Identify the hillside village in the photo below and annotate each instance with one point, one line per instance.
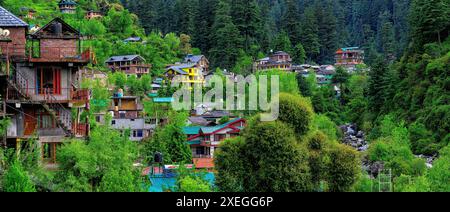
(65, 81)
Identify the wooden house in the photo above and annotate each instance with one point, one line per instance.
(67, 6)
(129, 64)
(41, 91)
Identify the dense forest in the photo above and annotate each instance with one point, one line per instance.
(258, 26)
(401, 100)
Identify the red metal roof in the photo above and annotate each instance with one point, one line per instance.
(204, 163)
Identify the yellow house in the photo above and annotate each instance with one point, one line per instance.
(190, 74)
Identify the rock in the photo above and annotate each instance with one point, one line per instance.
(360, 134)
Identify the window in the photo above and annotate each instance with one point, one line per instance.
(132, 120)
(200, 151)
(113, 122)
(48, 80)
(97, 118)
(219, 137)
(122, 114)
(140, 133)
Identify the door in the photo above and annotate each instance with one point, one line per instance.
(48, 80)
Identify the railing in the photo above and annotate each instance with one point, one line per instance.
(80, 129)
(201, 156)
(21, 84)
(66, 54)
(64, 115)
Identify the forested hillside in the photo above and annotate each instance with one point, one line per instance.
(258, 26)
(398, 105)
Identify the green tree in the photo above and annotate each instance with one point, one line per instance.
(309, 35)
(282, 43)
(439, 175)
(376, 86)
(428, 20)
(225, 37)
(246, 16)
(16, 179)
(304, 86)
(299, 55)
(291, 21)
(193, 184)
(171, 141)
(296, 111)
(343, 168)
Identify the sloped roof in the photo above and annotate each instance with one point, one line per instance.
(123, 58)
(7, 19)
(179, 68)
(194, 130)
(66, 28)
(193, 58)
(67, 2)
(204, 163)
(209, 130)
(199, 121)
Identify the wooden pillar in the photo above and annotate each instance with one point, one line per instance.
(4, 117)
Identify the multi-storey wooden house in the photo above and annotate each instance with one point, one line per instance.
(39, 85)
(129, 64)
(205, 140)
(278, 60)
(349, 57)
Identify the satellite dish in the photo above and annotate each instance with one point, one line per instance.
(4, 32)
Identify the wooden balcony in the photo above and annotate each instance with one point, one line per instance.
(61, 55)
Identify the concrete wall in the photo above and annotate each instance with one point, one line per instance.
(30, 74)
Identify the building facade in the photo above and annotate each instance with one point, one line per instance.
(39, 85)
(188, 74)
(127, 114)
(129, 64)
(279, 60)
(349, 57)
(204, 141)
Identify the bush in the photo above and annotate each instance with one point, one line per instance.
(343, 168)
(16, 179)
(297, 112)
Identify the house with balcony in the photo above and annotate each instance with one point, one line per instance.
(188, 74)
(205, 140)
(129, 64)
(278, 60)
(199, 61)
(39, 84)
(349, 57)
(127, 114)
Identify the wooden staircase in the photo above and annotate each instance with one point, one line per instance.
(59, 113)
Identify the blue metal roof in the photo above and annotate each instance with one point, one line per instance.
(163, 100)
(179, 68)
(67, 2)
(7, 19)
(123, 58)
(193, 58)
(162, 184)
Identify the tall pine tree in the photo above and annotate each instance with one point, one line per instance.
(226, 40)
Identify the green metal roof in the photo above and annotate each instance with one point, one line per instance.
(194, 130)
(163, 100)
